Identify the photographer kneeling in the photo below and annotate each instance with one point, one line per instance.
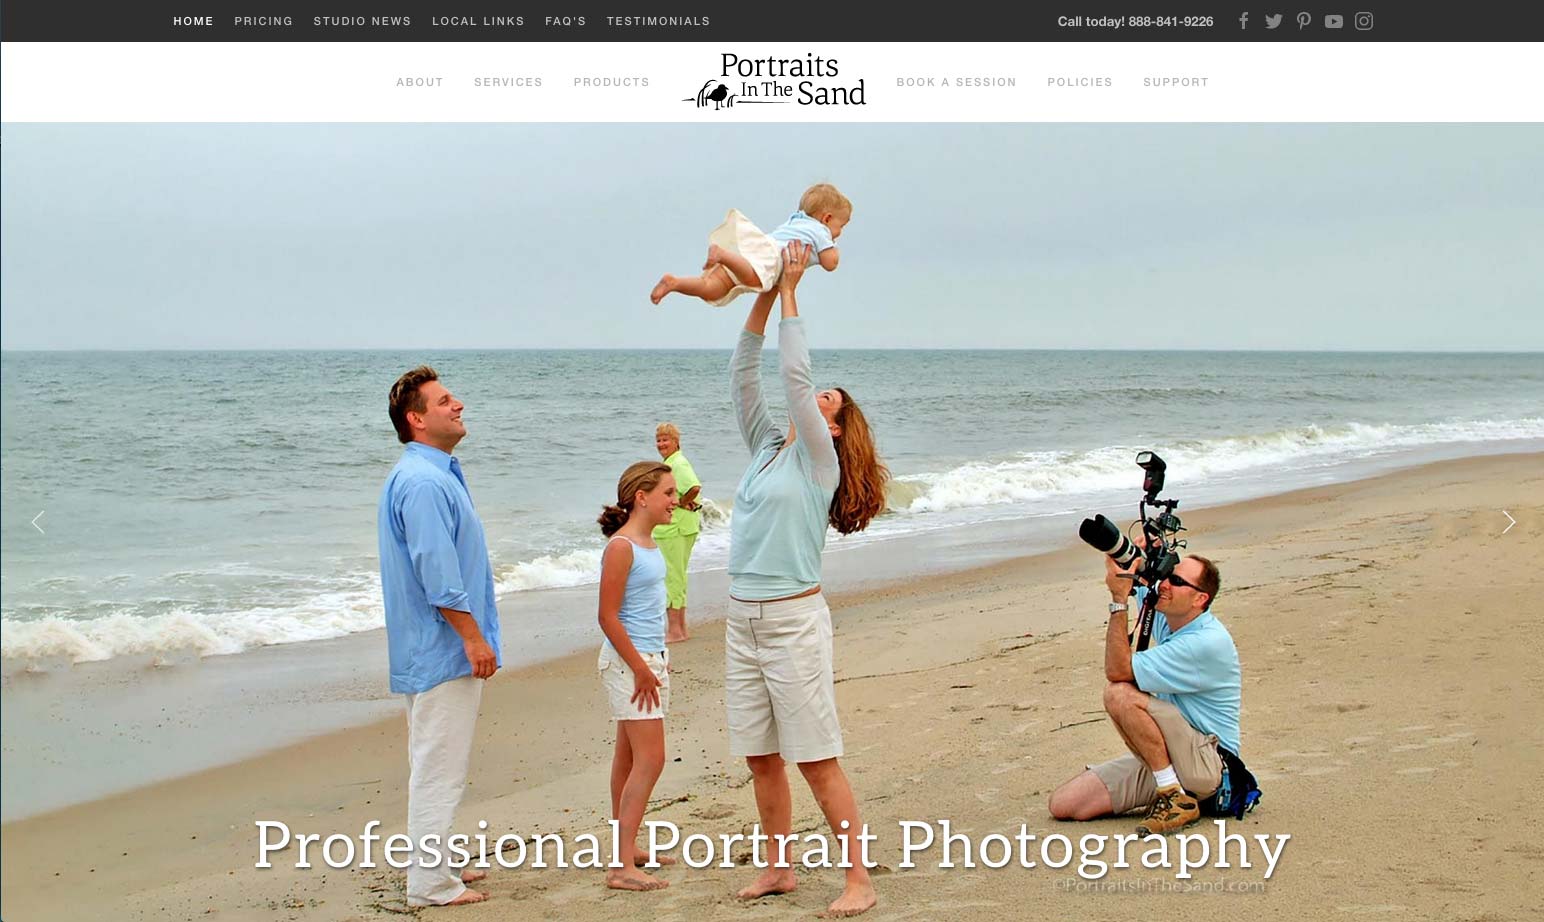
(1171, 704)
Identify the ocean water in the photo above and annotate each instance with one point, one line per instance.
(200, 504)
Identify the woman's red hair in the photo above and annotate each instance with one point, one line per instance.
(861, 494)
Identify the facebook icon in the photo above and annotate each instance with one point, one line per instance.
(1243, 20)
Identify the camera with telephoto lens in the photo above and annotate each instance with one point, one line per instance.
(1159, 551)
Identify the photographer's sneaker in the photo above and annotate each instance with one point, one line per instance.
(1174, 809)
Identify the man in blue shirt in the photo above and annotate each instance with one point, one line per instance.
(1171, 703)
(442, 627)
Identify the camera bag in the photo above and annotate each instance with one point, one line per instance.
(1238, 793)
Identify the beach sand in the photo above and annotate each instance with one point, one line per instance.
(1392, 712)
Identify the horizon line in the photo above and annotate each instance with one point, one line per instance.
(1263, 351)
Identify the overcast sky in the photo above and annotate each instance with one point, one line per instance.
(535, 236)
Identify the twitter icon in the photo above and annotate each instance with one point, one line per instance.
(1271, 21)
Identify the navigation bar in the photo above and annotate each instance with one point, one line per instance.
(742, 82)
(1339, 21)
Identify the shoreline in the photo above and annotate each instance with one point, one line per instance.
(983, 500)
(976, 666)
(153, 721)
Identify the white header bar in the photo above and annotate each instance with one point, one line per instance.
(837, 82)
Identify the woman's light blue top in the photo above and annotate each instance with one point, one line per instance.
(781, 507)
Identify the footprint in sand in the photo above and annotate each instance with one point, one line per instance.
(1460, 737)
(1415, 728)
(1448, 885)
(1527, 850)
(1410, 747)
(1341, 707)
(1321, 770)
(1415, 771)
(944, 909)
(1360, 740)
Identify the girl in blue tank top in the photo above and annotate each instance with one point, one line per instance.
(634, 666)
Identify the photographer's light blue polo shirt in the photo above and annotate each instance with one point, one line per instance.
(1195, 669)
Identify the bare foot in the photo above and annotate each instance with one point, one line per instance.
(771, 881)
(473, 875)
(634, 879)
(467, 897)
(641, 857)
(855, 900)
(675, 625)
(665, 286)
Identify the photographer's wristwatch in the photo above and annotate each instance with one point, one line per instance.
(1121, 607)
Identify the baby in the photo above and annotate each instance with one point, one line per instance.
(741, 257)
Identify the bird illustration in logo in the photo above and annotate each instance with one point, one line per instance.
(1271, 21)
(718, 95)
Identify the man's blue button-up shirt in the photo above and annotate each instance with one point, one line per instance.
(433, 555)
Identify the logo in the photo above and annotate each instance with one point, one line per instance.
(1272, 21)
(1243, 20)
(719, 95)
(1303, 19)
(1334, 21)
(1363, 22)
(806, 81)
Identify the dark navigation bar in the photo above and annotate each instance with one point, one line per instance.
(501, 20)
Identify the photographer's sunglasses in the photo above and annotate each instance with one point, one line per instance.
(1177, 580)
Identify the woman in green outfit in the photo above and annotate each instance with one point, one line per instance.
(676, 539)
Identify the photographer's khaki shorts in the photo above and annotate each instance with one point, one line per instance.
(1192, 753)
(778, 686)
